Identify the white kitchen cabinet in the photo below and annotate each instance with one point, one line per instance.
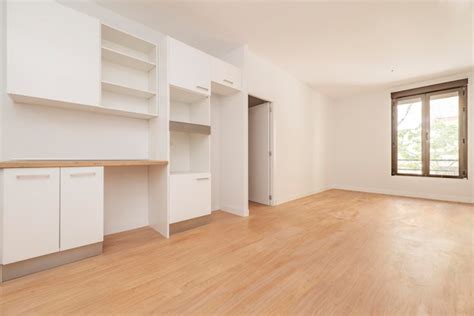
(226, 78)
(190, 196)
(30, 213)
(53, 53)
(189, 68)
(82, 206)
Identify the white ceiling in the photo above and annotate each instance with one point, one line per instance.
(336, 47)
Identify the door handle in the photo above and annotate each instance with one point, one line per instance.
(32, 176)
(82, 174)
(228, 81)
(204, 178)
(202, 88)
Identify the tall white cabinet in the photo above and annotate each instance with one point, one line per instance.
(190, 145)
(194, 77)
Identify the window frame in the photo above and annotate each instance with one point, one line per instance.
(424, 93)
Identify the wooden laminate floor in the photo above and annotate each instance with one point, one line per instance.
(335, 253)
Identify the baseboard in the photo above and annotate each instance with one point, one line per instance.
(235, 210)
(300, 196)
(33, 265)
(438, 197)
(179, 227)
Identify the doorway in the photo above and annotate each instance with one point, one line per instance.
(260, 150)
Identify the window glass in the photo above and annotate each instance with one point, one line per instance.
(409, 128)
(444, 134)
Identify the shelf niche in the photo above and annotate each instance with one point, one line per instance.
(189, 107)
(190, 153)
(129, 72)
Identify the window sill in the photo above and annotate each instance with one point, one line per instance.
(430, 176)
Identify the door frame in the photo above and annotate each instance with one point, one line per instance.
(271, 150)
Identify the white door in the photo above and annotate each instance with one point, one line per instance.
(189, 68)
(259, 154)
(82, 206)
(190, 196)
(30, 213)
(53, 52)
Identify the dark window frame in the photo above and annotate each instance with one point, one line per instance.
(424, 93)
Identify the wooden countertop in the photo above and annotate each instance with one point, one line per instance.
(78, 163)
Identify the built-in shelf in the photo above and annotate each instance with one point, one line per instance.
(121, 58)
(80, 107)
(129, 73)
(116, 88)
(78, 163)
(184, 127)
(127, 42)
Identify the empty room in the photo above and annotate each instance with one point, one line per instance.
(240, 157)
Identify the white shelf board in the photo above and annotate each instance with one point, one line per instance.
(117, 88)
(126, 39)
(121, 58)
(77, 106)
(183, 95)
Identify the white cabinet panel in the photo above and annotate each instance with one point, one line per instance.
(82, 206)
(189, 68)
(30, 213)
(53, 52)
(226, 78)
(190, 196)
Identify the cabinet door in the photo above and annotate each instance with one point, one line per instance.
(82, 206)
(30, 213)
(189, 68)
(190, 196)
(226, 78)
(53, 52)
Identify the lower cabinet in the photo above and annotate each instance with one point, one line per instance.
(190, 196)
(82, 207)
(47, 210)
(30, 213)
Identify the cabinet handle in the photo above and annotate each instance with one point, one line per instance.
(202, 88)
(82, 174)
(204, 178)
(228, 81)
(33, 176)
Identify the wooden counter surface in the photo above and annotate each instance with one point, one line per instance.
(77, 163)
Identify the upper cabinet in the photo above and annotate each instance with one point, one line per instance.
(189, 68)
(53, 52)
(226, 78)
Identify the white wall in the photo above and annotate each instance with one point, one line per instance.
(361, 151)
(322, 140)
(300, 129)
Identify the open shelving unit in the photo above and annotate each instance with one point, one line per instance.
(129, 73)
(190, 131)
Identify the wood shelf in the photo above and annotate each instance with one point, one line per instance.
(117, 88)
(121, 58)
(80, 107)
(189, 128)
(78, 163)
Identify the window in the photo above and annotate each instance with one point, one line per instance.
(429, 131)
